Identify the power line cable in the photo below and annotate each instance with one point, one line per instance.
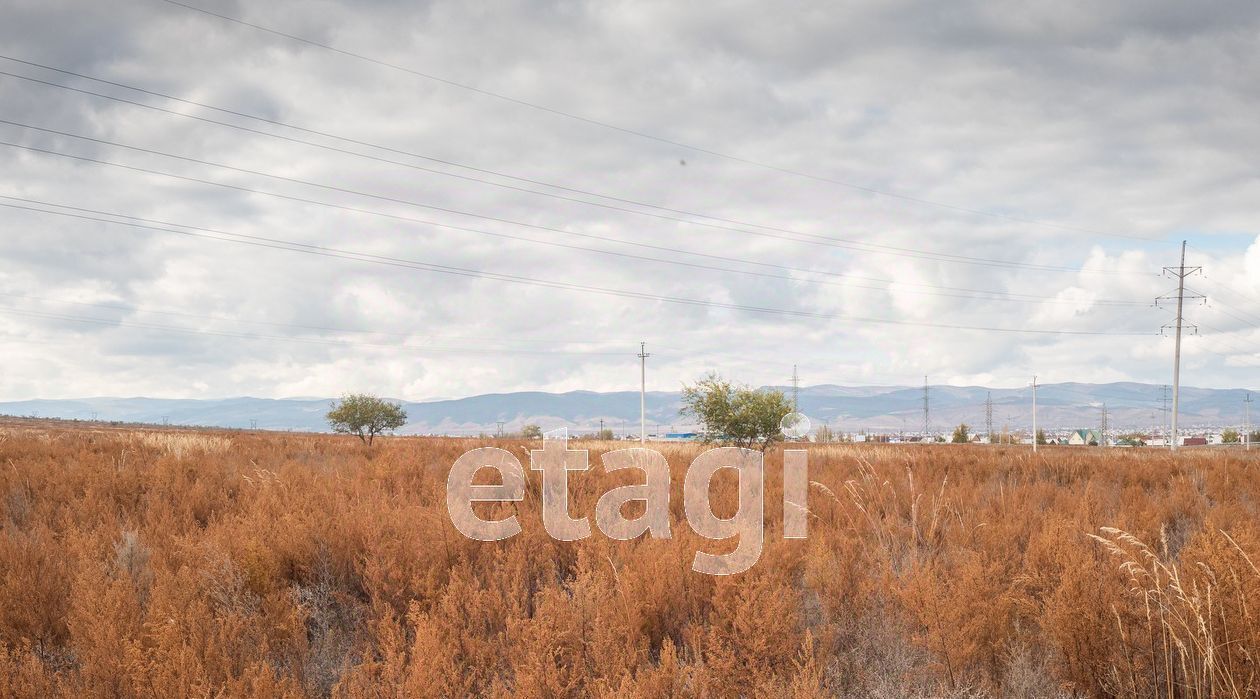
(659, 139)
(1224, 348)
(282, 338)
(294, 326)
(1226, 289)
(968, 293)
(1220, 305)
(1222, 338)
(1248, 359)
(1224, 310)
(1217, 330)
(427, 169)
(810, 239)
(984, 295)
(291, 246)
(1216, 341)
(1214, 347)
(390, 149)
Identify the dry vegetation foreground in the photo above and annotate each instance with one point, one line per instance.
(214, 564)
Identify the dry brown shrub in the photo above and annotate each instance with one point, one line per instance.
(182, 444)
(180, 563)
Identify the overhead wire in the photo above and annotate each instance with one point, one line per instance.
(398, 151)
(806, 238)
(967, 293)
(1217, 304)
(422, 349)
(291, 246)
(497, 184)
(1223, 338)
(1226, 289)
(649, 136)
(427, 337)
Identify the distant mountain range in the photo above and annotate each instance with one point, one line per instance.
(846, 408)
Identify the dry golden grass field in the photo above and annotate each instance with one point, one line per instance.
(217, 564)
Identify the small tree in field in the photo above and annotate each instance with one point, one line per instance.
(1230, 436)
(961, 435)
(736, 415)
(531, 432)
(1131, 439)
(365, 416)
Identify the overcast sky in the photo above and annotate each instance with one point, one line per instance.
(898, 188)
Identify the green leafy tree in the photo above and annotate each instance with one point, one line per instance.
(1230, 436)
(1132, 439)
(961, 435)
(1255, 437)
(531, 431)
(735, 415)
(1041, 436)
(365, 416)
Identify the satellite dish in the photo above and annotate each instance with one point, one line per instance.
(794, 425)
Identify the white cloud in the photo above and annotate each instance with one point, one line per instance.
(1132, 119)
